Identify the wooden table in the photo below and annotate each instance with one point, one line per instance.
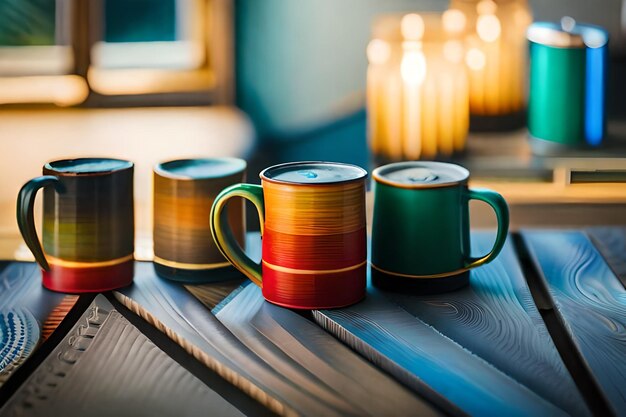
(539, 332)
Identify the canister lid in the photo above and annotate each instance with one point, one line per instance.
(197, 169)
(593, 36)
(86, 166)
(420, 174)
(553, 34)
(313, 173)
(568, 34)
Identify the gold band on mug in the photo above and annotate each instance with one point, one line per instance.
(183, 265)
(401, 275)
(312, 271)
(73, 264)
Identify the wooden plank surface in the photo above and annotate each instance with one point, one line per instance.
(611, 242)
(28, 314)
(496, 319)
(429, 362)
(315, 361)
(106, 367)
(591, 303)
(214, 293)
(174, 311)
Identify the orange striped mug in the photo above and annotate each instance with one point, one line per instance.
(314, 236)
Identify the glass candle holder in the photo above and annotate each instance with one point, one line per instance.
(496, 53)
(417, 88)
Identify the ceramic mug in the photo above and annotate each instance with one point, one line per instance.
(312, 216)
(88, 224)
(421, 227)
(184, 190)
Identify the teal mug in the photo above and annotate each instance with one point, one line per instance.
(421, 227)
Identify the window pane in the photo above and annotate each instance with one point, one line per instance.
(140, 20)
(27, 22)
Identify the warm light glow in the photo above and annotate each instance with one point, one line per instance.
(378, 52)
(146, 81)
(475, 59)
(486, 7)
(413, 67)
(488, 27)
(62, 90)
(453, 51)
(454, 21)
(412, 27)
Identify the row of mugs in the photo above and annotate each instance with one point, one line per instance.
(312, 216)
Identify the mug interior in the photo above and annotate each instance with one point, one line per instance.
(420, 174)
(82, 166)
(197, 169)
(313, 173)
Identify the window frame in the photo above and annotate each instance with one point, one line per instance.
(79, 25)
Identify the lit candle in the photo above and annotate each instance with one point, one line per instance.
(496, 54)
(378, 53)
(413, 70)
(417, 87)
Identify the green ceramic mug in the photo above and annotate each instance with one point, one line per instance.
(421, 227)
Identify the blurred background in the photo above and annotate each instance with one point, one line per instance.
(270, 81)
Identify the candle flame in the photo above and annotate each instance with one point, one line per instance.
(413, 67)
(412, 27)
(378, 51)
(454, 20)
(475, 59)
(488, 27)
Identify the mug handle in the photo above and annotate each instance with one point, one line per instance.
(223, 235)
(26, 218)
(498, 203)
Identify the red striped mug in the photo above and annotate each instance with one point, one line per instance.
(314, 235)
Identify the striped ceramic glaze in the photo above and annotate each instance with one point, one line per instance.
(184, 191)
(88, 224)
(314, 234)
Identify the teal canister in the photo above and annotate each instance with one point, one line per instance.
(421, 229)
(556, 105)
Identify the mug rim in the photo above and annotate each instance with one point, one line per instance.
(159, 169)
(377, 175)
(125, 165)
(363, 174)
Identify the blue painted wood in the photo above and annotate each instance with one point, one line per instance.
(19, 335)
(611, 242)
(590, 301)
(429, 362)
(173, 310)
(314, 360)
(28, 312)
(496, 319)
(20, 286)
(106, 367)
